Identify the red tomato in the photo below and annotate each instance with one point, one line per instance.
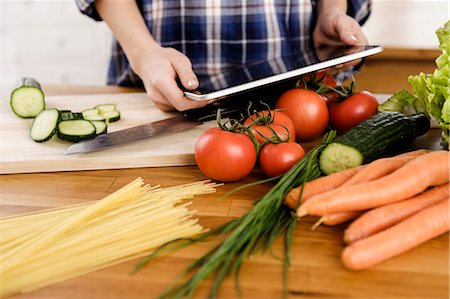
(327, 100)
(331, 96)
(326, 79)
(278, 158)
(280, 123)
(307, 110)
(353, 110)
(224, 156)
(316, 80)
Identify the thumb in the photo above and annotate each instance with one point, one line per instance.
(349, 39)
(186, 75)
(350, 32)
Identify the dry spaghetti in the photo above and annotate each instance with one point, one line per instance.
(42, 248)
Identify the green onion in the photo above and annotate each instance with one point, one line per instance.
(253, 232)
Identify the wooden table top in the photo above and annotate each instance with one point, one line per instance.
(316, 270)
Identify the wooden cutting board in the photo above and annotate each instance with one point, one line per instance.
(20, 154)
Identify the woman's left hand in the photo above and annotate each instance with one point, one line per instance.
(335, 27)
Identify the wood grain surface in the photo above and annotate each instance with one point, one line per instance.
(20, 154)
(316, 270)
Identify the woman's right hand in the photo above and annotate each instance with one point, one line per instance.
(159, 69)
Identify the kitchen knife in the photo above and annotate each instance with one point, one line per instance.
(171, 125)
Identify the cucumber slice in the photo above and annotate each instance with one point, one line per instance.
(44, 125)
(76, 130)
(102, 108)
(337, 156)
(27, 98)
(100, 126)
(92, 114)
(111, 116)
(69, 115)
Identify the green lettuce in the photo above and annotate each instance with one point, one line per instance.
(431, 92)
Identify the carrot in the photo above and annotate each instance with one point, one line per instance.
(371, 171)
(383, 166)
(414, 177)
(336, 219)
(385, 216)
(350, 176)
(319, 185)
(411, 232)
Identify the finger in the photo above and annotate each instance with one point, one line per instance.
(187, 104)
(183, 67)
(346, 66)
(351, 64)
(361, 38)
(160, 101)
(331, 71)
(169, 89)
(357, 38)
(350, 32)
(349, 39)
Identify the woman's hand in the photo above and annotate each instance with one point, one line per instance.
(335, 27)
(159, 68)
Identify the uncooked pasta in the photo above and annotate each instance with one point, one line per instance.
(43, 248)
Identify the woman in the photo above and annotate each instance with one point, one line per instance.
(162, 44)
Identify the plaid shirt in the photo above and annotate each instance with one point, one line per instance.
(219, 36)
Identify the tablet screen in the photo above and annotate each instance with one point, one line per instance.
(265, 72)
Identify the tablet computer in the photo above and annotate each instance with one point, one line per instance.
(279, 69)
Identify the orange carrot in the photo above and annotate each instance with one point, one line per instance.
(411, 232)
(385, 216)
(383, 166)
(319, 185)
(414, 177)
(336, 219)
(371, 171)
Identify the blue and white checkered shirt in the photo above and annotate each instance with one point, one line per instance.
(219, 36)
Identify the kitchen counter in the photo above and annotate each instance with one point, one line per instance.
(316, 270)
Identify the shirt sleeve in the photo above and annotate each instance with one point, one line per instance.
(359, 10)
(87, 7)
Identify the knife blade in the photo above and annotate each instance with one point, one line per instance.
(171, 125)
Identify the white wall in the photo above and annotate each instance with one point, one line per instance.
(52, 41)
(406, 23)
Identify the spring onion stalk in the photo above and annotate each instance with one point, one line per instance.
(253, 232)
